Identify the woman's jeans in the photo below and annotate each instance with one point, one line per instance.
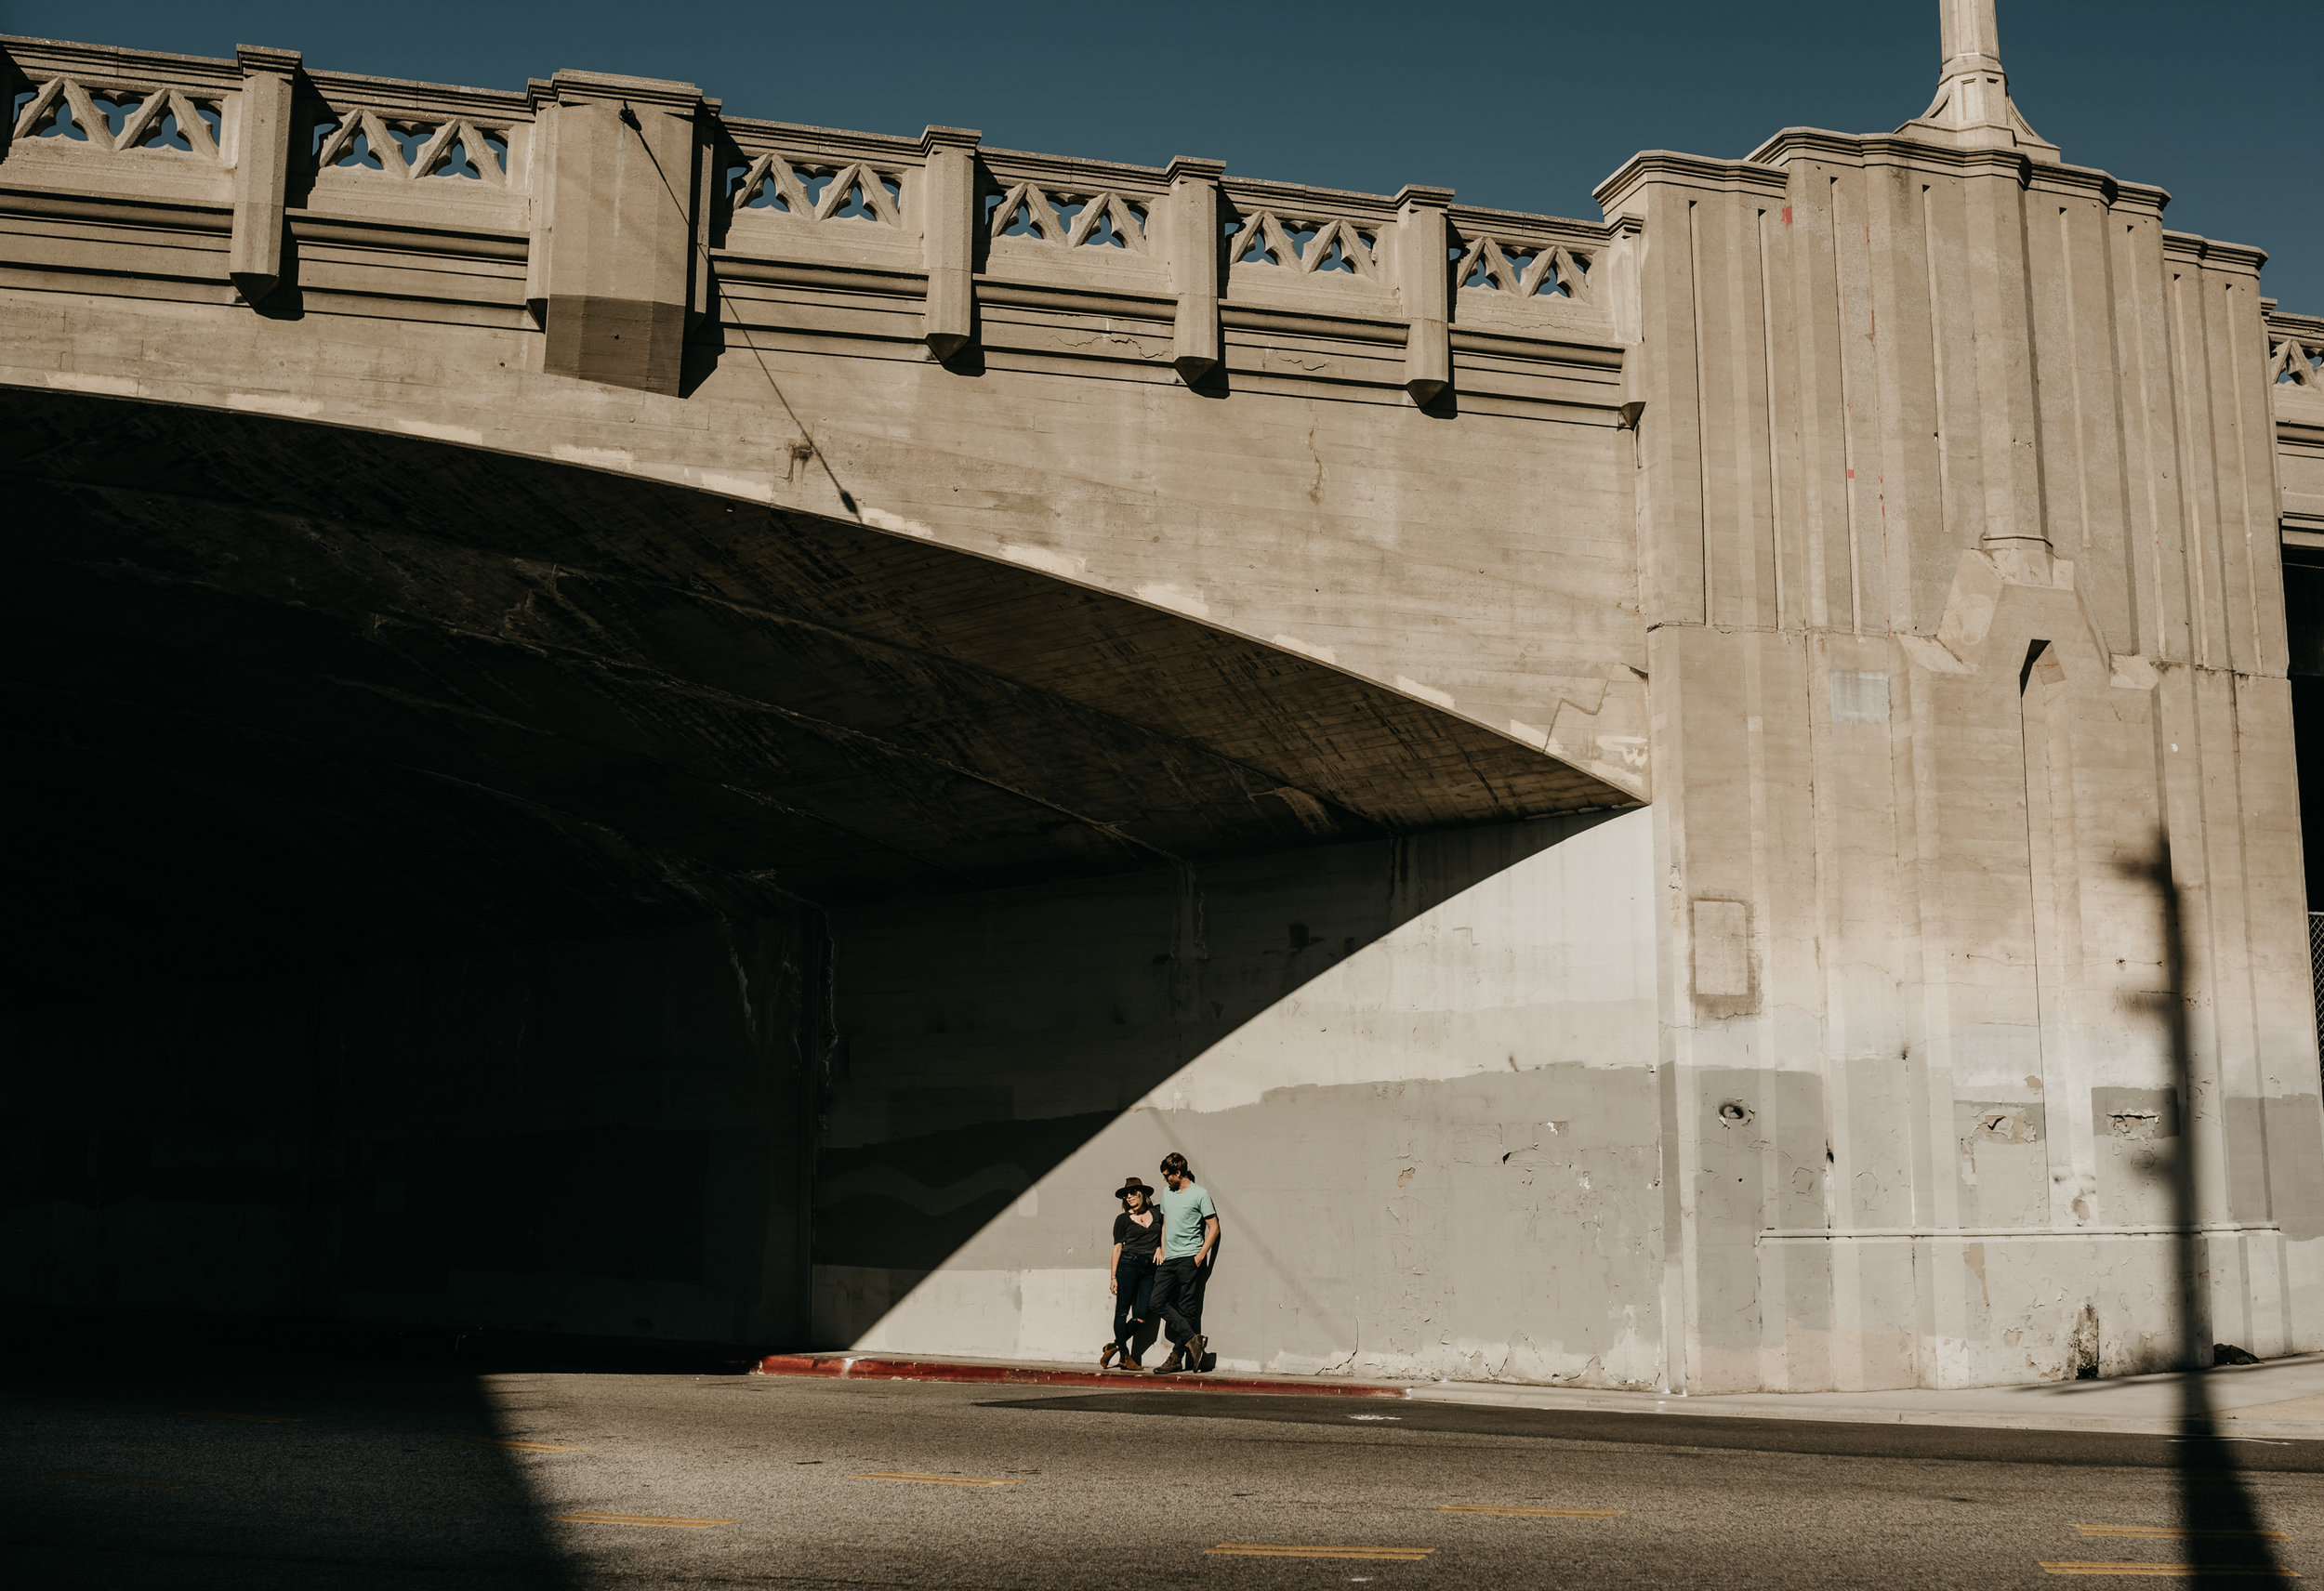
(1133, 1277)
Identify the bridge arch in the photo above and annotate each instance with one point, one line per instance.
(981, 704)
(632, 701)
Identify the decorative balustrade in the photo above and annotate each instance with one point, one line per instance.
(1066, 220)
(360, 139)
(2295, 386)
(2296, 360)
(1062, 225)
(112, 117)
(1521, 269)
(817, 197)
(1309, 247)
(806, 189)
(415, 155)
(142, 127)
(286, 151)
(1307, 244)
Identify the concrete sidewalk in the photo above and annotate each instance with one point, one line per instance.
(2281, 1400)
(1020, 1373)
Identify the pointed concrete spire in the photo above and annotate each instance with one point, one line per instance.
(1973, 108)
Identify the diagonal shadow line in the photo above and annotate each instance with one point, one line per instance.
(1422, 874)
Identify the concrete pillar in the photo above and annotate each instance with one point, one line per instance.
(1970, 45)
(1965, 685)
(262, 147)
(623, 268)
(1197, 262)
(947, 207)
(541, 173)
(1424, 281)
(1972, 109)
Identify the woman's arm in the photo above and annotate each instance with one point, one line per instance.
(1114, 1272)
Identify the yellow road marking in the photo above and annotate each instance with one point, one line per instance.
(153, 1482)
(251, 1419)
(513, 1443)
(1540, 1513)
(1267, 1549)
(2172, 1533)
(2177, 1570)
(940, 1479)
(658, 1520)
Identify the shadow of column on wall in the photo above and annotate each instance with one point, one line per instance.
(2225, 1532)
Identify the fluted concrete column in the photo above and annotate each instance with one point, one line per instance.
(622, 261)
(541, 173)
(262, 144)
(1424, 281)
(1972, 109)
(1198, 261)
(947, 201)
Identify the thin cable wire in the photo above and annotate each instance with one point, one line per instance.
(702, 249)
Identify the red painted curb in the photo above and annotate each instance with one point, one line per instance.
(843, 1365)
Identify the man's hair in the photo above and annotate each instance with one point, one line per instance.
(1174, 1164)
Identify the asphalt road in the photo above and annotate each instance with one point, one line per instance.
(414, 1476)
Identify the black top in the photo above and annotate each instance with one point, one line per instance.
(1136, 1240)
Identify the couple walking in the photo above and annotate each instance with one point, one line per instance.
(1162, 1250)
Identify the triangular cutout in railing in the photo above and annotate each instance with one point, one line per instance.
(163, 132)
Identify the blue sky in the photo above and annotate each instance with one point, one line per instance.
(1521, 106)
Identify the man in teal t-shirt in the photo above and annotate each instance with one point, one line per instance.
(1190, 1230)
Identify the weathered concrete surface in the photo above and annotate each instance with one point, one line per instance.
(1477, 556)
(1101, 591)
(1417, 1077)
(460, 699)
(1960, 564)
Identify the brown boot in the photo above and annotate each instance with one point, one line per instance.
(1105, 1359)
(1172, 1365)
(1193, 1348)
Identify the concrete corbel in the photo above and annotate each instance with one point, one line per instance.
(1634, 387)
(262, 148)
(707, 132)
(947, 199)
(1196, 265)
(541, 177)
(1424, 283)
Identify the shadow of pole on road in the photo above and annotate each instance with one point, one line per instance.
(2226, 1534)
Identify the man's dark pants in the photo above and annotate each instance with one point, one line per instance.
(1178, 1297)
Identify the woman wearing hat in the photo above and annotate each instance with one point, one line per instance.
(1136, 1239)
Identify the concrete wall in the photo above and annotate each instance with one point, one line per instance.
(601, 1138)
(1911, 504)
(1295, 492)
(1415, 1076)
(1988, 1054)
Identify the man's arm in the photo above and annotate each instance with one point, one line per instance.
(1209, 1241)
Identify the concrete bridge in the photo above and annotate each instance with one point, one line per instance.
(632, 721)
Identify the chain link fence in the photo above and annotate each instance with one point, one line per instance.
(2316, 969)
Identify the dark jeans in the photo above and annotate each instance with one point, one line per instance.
(1178, 1294)
(1134, 1277)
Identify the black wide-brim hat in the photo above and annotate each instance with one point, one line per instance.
(1133, 1185)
